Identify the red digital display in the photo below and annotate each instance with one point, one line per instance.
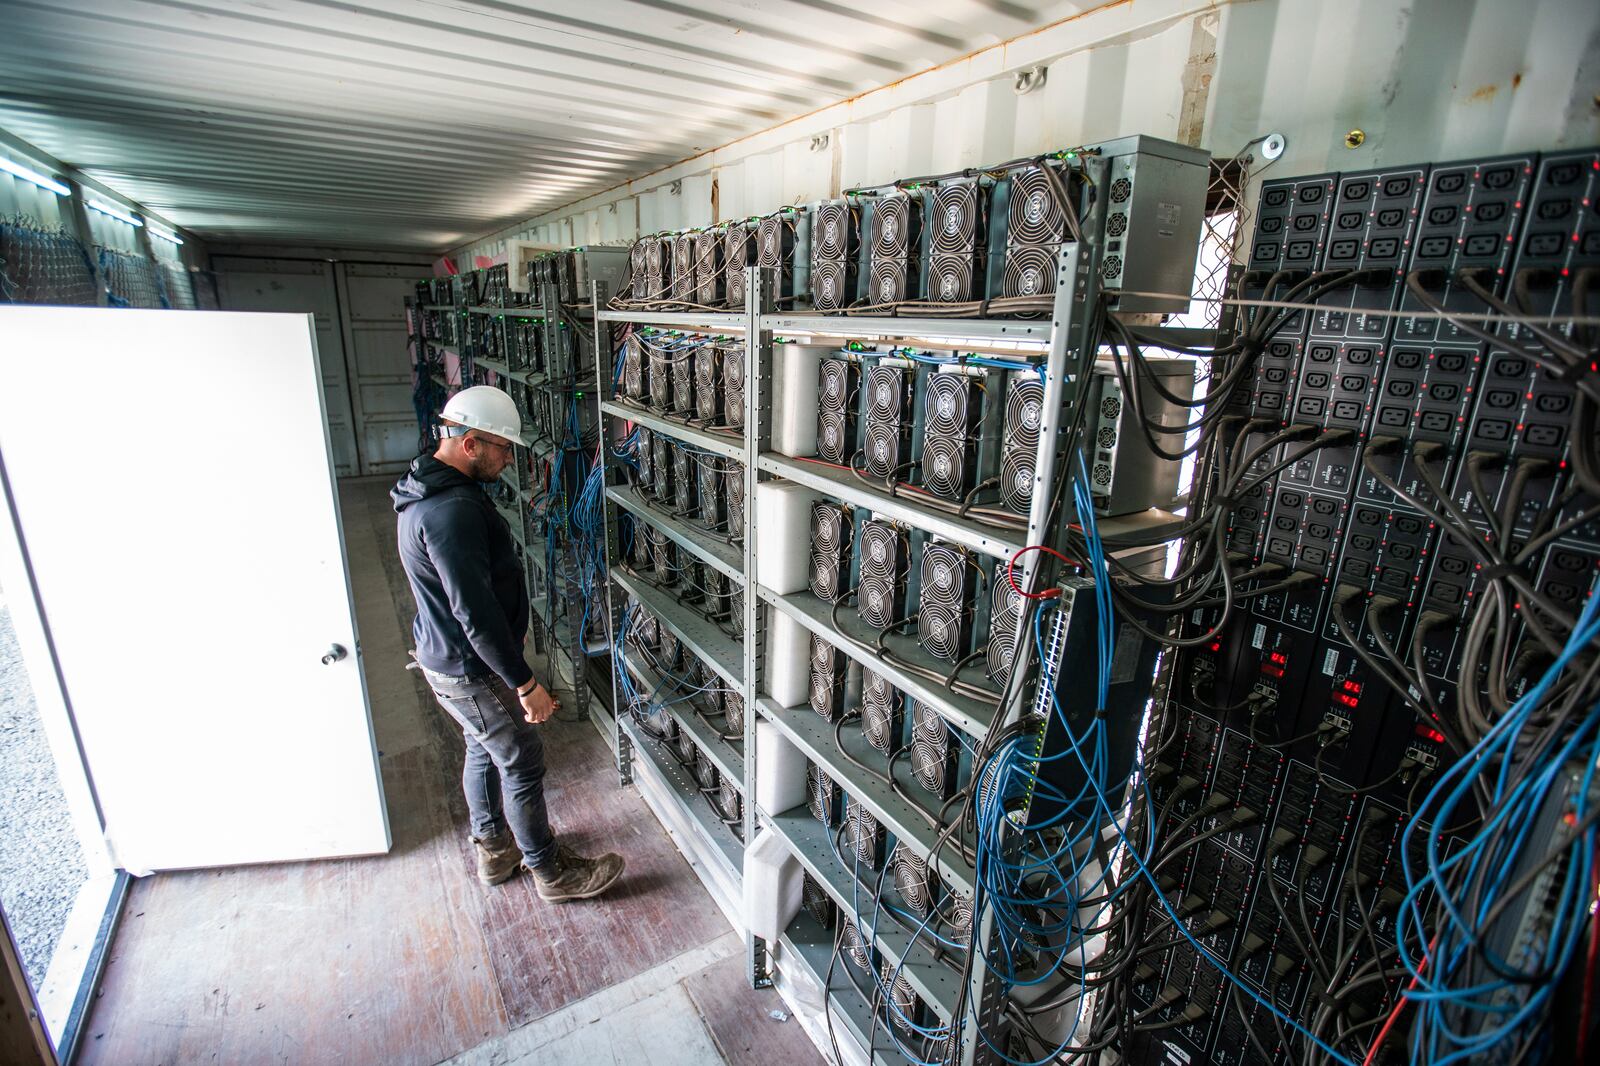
(1429, 733)
(1352, 687)
(1278, 658)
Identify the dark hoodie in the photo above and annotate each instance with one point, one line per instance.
(472, 600)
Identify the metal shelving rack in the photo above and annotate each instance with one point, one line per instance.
(1060, 338)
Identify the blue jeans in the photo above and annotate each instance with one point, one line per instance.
(503, 776)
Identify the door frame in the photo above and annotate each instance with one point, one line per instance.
(78, 963)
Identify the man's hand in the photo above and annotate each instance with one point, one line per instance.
(539, 705)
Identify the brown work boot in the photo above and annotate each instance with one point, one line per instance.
(571, 876)
(498, 857)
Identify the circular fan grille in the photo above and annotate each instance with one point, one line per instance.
(1120, 190)
(877, 606)
(928, 764)
(632, 377)
(1024, 411)
(1111, 266)
(879, 550)
(864, 835)
(1016, 480)
(820, 799)
(883, 449)
(670, 651)
(944, 466)
(827, 284)
(1110, 407)
(771, 237)
(830, 436)
(955, 217)
(878, 702)
(1002, 629)
(731, 802)
(943, 569)
(939, 630)
(958, 916)
(1117, 225)
(827, 528)
(817, 902)
(853, 946)
(911, 881)
(733, 368)
(710, 495)
(888, 281)
(835, 384)
(927, 724)
(653, 258)
(735, 287)
(1106, 437)
(902, 1004)
(884, 391)
(705, 772)
(687, 751)
(733, 707)
(1030, 271)
(680, 467)
(683, 256)
(1036, 216)
(891, 227)
(947, 404)
(733, 492)
(828, 227)
(1102, 473)
(659, 382)
(950, 279)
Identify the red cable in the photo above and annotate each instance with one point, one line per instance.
(1011, 576)
(1394, 1015)
(1589, 963)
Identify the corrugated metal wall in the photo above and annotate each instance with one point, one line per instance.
(1424, 79)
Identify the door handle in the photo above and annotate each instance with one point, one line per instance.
(335, 653)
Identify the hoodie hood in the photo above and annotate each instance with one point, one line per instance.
(427, 477)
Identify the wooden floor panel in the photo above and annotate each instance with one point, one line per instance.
(739, 1018)
(400, 959)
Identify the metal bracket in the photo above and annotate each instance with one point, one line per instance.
(760, 964)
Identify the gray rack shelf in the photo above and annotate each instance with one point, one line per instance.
(720, 443)
(699, 541)
(727, 756)
(720, 651)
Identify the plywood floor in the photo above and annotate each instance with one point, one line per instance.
(405, 958)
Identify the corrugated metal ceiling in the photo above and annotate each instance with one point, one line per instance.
(421, 123)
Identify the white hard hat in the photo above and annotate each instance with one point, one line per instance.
(486, 408)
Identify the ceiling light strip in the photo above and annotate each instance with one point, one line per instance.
(44, 181)
(115, 212)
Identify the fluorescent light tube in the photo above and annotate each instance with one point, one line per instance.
(157, 231)
(12, 167)
(115, 212)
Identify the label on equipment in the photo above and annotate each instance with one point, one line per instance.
(1125, 660)
(1176, 1056)
(1259, 637)
(1330, 662)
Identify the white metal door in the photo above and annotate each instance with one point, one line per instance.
(301, 286)
(178, 512)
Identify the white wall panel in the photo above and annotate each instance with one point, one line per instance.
(1424, 79)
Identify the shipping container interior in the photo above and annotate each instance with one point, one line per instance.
(1057, 531)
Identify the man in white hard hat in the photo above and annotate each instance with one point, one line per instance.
(472, 620)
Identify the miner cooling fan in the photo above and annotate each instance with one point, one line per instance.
(661, 452)
(815, 899)
(710, 489)
(836, 409)
(733, 497)
(683, 273)
(882, 712)
(1019, 442)
(828, 671)
(912, 881)
(835, 231)
(685, 481)
(889, 414)
(1036, 225)
(730, 805)
(664, 559)
(638, 269)
(689, 753)
(1005, 620)
(708, 275)
(733, 711)
(658, 376)
(822, 795)
(935, 754)
(958, 241)
(738, 252)
(733, 384)
(901, 1007)
(944, 608)
(669, 654)
(880, 594)
(853, 946)
(707, 383)
(896, 246)
(831, 541)
(633, 368)
(646, 453)
(705, 771)
(683, 381)
(948, 441)
(863, 835)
